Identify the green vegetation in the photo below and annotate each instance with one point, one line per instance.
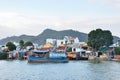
(28, 43)
(69, 49)
(3, 55)
(11, 46)
(21, 43)
(117, 50)
(25, 44)
(98, 38)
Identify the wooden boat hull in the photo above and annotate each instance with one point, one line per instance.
(47, 60)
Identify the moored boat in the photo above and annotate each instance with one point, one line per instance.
(46, 56)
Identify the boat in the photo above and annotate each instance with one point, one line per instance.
(44, 56)
(72, 56)
(78, 55)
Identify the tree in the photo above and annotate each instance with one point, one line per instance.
(117, 50)
(3, 55)
(21, 43)
(98, 38)
(11, 46)
(69, 49)
(108, 38)
(28, 43)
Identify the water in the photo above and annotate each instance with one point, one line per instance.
(74, 70)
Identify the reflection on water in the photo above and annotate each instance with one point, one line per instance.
(74, 70)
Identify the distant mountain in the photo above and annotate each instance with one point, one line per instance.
(115, 39)
(16, 39)
(48, 33)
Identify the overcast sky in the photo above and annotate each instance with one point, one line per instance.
(31, 17)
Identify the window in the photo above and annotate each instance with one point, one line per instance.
(61, 42)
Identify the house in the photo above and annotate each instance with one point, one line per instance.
(61, 48)
(35, 45)
(47, 46)
(70, 40)
(76, 47)
(52, 41)
(4, 48)
(59, 42)
(77, 52)
(65, 40)
(74, 40)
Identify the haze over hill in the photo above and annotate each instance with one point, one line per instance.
(49, 33)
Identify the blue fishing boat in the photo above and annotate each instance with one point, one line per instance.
(47, 56)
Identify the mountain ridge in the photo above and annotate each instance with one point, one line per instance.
(49, 33)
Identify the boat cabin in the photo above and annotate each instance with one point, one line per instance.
(40, 53)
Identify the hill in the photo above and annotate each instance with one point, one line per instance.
(16, 39)
(48, 33)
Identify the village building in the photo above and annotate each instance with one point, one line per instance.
(65, 40)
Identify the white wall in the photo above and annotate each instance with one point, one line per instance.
(76, 40)
(59, 42)
(77, 49)
(67, 38)
(52, 41)
(35, 45)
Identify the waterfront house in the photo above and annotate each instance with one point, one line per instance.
(77, 52)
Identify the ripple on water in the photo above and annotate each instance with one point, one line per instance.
(74, 70)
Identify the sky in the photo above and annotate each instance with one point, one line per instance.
(31, 17)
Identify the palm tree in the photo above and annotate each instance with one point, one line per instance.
(21, 43)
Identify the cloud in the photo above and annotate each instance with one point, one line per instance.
(17, 24)
(113, 3)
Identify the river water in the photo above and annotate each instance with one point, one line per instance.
(74, 70)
